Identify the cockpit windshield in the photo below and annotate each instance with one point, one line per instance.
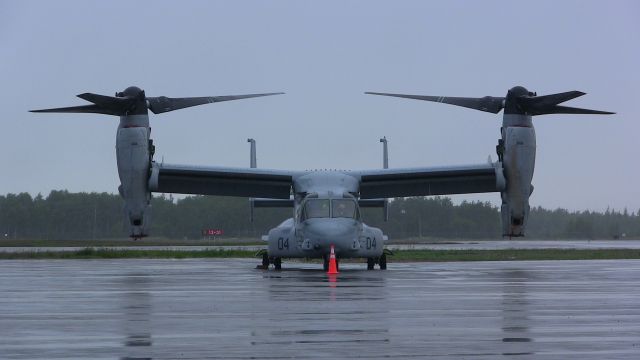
(335, 208)
(317, 208)
(343, 208)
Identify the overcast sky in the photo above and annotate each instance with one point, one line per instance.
(324, 55)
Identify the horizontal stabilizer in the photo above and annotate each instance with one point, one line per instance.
(272, 203)
(372, 203)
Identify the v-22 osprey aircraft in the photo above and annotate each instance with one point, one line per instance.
(326, 204)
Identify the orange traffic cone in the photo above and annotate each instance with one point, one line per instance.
(333, 266)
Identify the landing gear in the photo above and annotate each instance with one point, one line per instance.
(265, 261)
(277, 263)
(383, 262)
(371, 263)
(500, 150)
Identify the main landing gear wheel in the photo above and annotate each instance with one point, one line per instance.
(371, 263)
(265, 261)
(277, 263)
(383, 262)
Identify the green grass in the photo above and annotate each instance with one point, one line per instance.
(129, 242)
(93, 253)
(399, 256)
(514, 254)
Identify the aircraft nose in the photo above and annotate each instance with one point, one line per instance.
(325, 233)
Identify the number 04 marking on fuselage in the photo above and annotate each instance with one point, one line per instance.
(283, 243)
(371, 243)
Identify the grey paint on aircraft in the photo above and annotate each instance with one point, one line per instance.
(517, 146)
(326, 203)
(253, 160)
(385, 153)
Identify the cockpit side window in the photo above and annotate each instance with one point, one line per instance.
(343, 208)
(317, 208)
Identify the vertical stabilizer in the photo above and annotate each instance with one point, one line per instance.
(385, 153)
(253, 161)
(385, 165)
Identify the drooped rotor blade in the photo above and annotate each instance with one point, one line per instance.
(163, 104)
(488, 103)
(558, 109)
(93, 109)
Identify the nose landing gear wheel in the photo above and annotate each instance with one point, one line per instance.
(265, 261)
(371, 263)
(277, 263)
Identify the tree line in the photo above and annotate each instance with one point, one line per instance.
(70, 216)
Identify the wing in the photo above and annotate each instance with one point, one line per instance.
(224, 181)
(387, 183)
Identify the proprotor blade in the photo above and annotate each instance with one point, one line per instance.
(93, 109)
(548, 104)
(552, 99)
(557, 109)
(116, 105)
(163, 104)
(488, 103)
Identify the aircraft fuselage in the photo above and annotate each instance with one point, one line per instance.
(326, 214)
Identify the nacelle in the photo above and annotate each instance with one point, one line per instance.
(134, 157)
(518, 152)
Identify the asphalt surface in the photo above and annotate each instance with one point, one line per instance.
(227, 309)
(454, 245)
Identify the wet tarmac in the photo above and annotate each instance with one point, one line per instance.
(454, 245)
(227, 309)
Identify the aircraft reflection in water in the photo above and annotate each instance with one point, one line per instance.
(137, 321)
(326, 204)
(361, 318)
(515, 311)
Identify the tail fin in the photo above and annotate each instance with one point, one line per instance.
(385, 165)
(385, 153)
(253, 161)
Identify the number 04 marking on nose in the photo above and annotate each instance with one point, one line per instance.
(371, 243)
(283, 243)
